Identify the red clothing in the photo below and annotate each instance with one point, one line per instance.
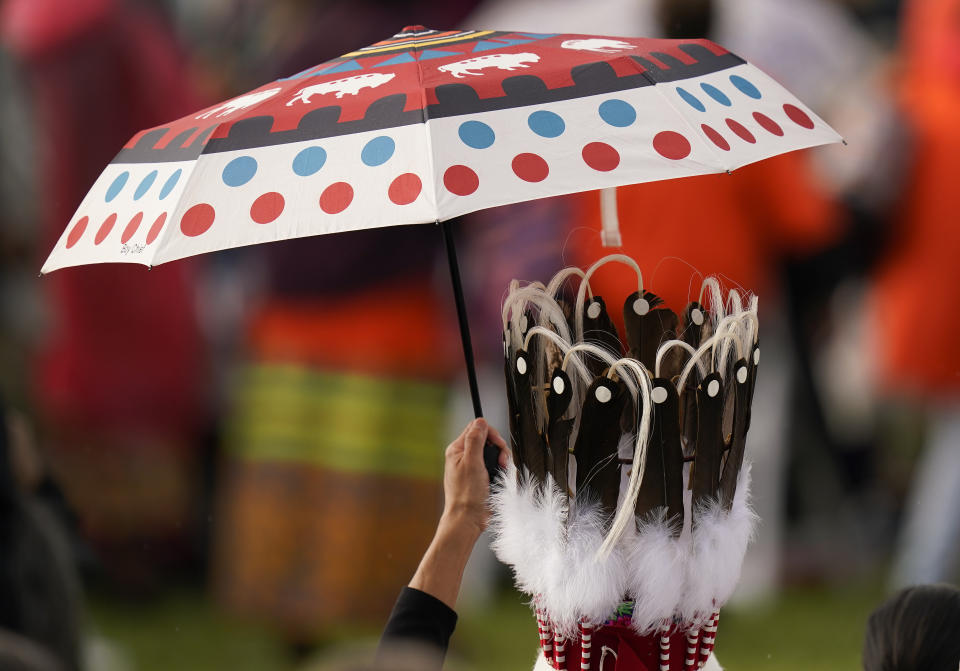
(119, 377)
(124, 351)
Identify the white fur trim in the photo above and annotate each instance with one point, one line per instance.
(579, 584)
(551, 549)
(654, 571)
(527, 525)
(718, 544)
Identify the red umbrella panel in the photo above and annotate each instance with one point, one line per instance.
(426, 126)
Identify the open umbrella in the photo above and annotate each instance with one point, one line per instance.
(426, 126)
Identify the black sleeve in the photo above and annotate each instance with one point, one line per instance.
(420, 619)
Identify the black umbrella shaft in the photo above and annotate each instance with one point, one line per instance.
(462, 316)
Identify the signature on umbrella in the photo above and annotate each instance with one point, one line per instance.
(135, 248)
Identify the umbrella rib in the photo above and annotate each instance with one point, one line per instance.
(425, 116)
(693, 131)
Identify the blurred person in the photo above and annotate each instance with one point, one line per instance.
(330, 476)
(118, 377)
(915, 338)
(40, 602)
(915, 630)
(742, 227)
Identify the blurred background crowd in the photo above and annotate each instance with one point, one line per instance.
(233, 461)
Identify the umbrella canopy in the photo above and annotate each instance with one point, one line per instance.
(426, 126)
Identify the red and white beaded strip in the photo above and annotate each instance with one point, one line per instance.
(546, 635)
(665, 645)
(586, 644)
(708, 638)
(559, 652)
(690, 659)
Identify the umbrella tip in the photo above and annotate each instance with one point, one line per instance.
(413, 29)
(844, 141)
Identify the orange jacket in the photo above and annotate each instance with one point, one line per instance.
(737, 226)
(917, 288)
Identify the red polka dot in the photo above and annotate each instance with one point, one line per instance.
(105, 228)
(77, 231)
(798, 116)
(671, 145)
(336, 198)
(741, 131)
(156, 228)
(715, 137)
(530, 167)
(768, 124)
(267, 207)
(197, 220)
(601, 156)
(460, 180)
(405, 189)
(131, 228)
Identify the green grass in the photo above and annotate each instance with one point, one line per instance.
(184, 631)
(809, 629)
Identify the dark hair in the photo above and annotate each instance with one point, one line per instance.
(917, 629)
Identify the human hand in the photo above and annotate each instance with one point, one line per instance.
(466, 483)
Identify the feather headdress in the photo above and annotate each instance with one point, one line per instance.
(626, 513)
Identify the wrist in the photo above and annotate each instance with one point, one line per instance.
(461, 523)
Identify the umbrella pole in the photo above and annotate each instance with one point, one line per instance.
(490, 451)
(462, 316)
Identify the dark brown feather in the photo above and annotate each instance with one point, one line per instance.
(600, 331)
(706, 464)
(645, 332)
(598, 464)
(559, 429)
(662, 483)
(532, 448)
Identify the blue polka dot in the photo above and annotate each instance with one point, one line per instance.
(546, 124)
(476, 134)
(117, 186)
(239, 171)
(170, 183)
(618, 113)
(145, 185)
(745, 86)
(309, 161)
(378, 150)
(691, 100)
(716, 94)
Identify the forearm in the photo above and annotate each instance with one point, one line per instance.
(441, 569)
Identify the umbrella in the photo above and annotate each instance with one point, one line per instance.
(426, 126)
